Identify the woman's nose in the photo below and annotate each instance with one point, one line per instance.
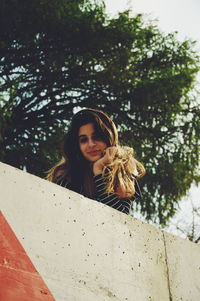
(91, 142)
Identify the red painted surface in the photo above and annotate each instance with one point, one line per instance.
(19, 280)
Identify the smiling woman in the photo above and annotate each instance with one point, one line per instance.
(95, 165)
(91, 144)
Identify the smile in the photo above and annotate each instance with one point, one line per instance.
(94, 153)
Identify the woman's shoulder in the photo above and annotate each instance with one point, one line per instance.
(61, 175)
(58, 173)
(63, 181)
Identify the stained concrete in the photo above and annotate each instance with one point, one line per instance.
(88, 251)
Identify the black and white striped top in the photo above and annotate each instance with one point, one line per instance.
(110, 199)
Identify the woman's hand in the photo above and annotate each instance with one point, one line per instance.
(107, 158)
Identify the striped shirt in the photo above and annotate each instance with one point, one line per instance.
(110, 199)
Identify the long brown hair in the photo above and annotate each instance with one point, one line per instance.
(75, 169)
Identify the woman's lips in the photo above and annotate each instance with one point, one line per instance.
(93, 153)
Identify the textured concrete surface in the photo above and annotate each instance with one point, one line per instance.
(183, 258)
(87, 251)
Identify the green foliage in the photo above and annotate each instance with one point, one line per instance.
(57, 56)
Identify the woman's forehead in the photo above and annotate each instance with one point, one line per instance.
(87, 129)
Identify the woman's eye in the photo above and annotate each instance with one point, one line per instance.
(83, 140)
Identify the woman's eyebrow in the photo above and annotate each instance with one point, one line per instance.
(82, 136)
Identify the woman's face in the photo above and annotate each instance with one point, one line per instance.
(91, 144)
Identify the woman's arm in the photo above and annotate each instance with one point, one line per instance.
(111, 199)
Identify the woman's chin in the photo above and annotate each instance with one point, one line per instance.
(93, 159)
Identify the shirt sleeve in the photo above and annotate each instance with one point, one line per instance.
(111, 199)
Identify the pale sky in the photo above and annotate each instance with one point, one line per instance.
(172, 15)
(182, 16)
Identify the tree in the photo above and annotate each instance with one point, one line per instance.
(58, 56)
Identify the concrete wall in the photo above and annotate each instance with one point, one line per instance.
(84, 251)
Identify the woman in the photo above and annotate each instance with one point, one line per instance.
(95, 165)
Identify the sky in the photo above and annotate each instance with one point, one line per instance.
(171, 15)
